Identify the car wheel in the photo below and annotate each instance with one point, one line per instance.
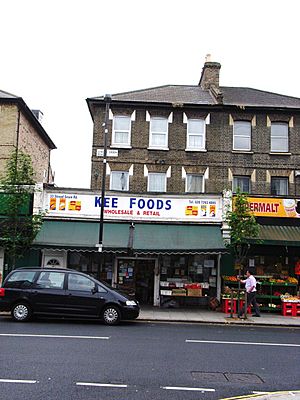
(111, 315)
(21, 312)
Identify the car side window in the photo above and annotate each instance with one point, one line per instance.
(51, 280)
(79, 282)
(20, 279)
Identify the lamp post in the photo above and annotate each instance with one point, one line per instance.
(107, 100)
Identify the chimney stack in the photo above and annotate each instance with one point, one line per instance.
(210, 74)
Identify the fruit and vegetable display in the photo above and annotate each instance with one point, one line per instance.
(230, 278)
(288, 298)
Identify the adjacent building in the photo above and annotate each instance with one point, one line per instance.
(21, 128)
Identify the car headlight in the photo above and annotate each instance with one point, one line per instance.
(130, 303)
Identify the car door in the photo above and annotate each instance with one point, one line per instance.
(85, 296)
(48, 295)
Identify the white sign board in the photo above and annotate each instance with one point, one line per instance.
(87, 206)
(109, 153)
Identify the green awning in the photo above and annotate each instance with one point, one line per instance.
(172, 239)
(279, 235)
(82, 235)
(142, 239)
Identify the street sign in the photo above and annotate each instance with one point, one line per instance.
(110, 153)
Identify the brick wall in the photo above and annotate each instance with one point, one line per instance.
(219, 157)
(28, 140)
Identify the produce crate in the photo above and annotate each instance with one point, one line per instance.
(194, 292)
(178, 292)
(287, 309)
(226, 306)
(296, 309)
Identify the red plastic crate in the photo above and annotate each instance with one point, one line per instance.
(296, 309)
(226, 306)
(287, 309)
(242, 302)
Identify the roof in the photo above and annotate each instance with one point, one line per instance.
(195, 95)
(6, 97)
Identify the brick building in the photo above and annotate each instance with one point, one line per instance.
(201, 138)
(21, 129)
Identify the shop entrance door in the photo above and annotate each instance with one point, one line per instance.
(144, 283)
(136, 277)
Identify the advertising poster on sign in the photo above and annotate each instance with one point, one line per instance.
(134, 207)
(272, 207)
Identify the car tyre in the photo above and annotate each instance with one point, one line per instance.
(111, 315)
(21, 312)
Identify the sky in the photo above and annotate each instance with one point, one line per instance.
(56, 53)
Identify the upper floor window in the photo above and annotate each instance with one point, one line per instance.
(241, 183)
(194, 183)
(242, 135)
(279, 186)
(119, 180)
(121, 131)
(279, 137)
(158, 132)
(195, 134)
(157, 182)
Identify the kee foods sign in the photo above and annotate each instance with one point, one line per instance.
(134, 208)
(270, 207)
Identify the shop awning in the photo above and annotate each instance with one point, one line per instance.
(279, 235)
(140, 239)
(77, 235)
(172, 239)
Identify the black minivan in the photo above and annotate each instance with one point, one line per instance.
(61, 292)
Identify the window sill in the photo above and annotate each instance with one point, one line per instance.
(242, 152)
(120, 146)
(158, 148)
(196, 150)
(274, 153)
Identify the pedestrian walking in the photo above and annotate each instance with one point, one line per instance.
(250, 286)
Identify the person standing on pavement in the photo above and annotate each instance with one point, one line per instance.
(250, 286)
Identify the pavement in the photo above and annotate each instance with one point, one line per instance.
(295, 395)
(214, 317)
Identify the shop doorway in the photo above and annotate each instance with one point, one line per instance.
(144, 283)
(136, 278)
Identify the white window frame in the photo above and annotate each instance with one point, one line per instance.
(242, 136)
(202, 183)
(162, 146)
(113, 141)
(234, 190)
(284, 179)
(127, 181)
(151, 174)
(189, 134)
(284, 137)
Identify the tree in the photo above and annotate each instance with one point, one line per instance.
(243, 226)
(18, 225)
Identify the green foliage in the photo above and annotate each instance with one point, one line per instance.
(243, 226)
(18, 227)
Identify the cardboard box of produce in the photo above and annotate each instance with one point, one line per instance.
(194, 292)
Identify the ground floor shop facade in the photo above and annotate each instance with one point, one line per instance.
(160, 264)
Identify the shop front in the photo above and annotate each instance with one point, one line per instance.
(273, 256)
(165, 251)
